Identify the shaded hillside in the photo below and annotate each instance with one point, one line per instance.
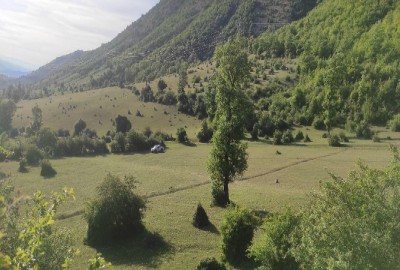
(349, 66)
(173, 33)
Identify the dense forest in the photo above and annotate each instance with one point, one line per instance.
(348, 62)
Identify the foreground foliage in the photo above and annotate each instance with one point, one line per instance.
(351, 223)
(237, 231)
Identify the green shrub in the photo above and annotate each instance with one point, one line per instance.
(22, 166)
(237, 231)
(273, 248)
(181, 135)
(334, 141)
(363, 131)
(299, 136)
(205, 134)
(210, 264)
(79, 126)
(46, 138)
(33, 155)
(278, 137)
(136, 142)
(306, 139)
(47, 170)
(394, 124)
(254, 132)
(343, 137)
(287, 137)
(200, 218)
(318, 124)
(350, 125)
(116, 212)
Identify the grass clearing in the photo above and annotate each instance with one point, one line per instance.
(176, 181)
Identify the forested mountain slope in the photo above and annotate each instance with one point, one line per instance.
(173, 33)
(349, 61)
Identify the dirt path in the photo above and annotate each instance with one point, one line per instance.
(178, 189)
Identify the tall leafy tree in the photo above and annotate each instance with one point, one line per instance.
(37, 119)
(228, 158)
(7, 110)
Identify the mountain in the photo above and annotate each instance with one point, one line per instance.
(349, 61)
(12, 70)
(172, 34)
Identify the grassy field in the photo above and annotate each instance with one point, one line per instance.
(176, 181)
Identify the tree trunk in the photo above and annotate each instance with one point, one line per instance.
(226, 192)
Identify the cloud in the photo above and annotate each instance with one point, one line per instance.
(37, 31)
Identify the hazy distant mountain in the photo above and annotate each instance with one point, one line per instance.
(12, 70)
(172, 33)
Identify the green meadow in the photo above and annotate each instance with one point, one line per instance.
(174, 182)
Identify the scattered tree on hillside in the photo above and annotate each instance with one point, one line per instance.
(122, 124)
(161, 85)
(7, 110)
(79, 126)
(228, 158)
(37, 119)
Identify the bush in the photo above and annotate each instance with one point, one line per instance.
(79, 126)
(287, 137)
(120, 143)
(116, 212)
(33, 155)
(22, 166)
(181, 135)
(237, 232)
(318, 124)
(254, 132)
(205, 134)
(136, 142)
(299, 135)
(277, 137)
(273, 248)
(363, 131)
(394, 124)
(122, 124)
(334, 141)
(47, 170)
(307, 139)
(343, 137)
(46, 138)
(210, 264)
(200, 218)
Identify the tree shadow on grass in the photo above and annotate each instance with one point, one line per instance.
(145, 249)
(211, 228)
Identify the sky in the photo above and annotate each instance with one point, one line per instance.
(34, 32)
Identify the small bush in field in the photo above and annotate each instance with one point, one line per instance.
(116, 212)
(22, 166)
(200, 218)
(299, 136)
(181, 135)
(210, 264)
(394, 124)
(334, 141)
(47, 170)
(306, 139)
(343, 137)
(33, 155)
(278, 137)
